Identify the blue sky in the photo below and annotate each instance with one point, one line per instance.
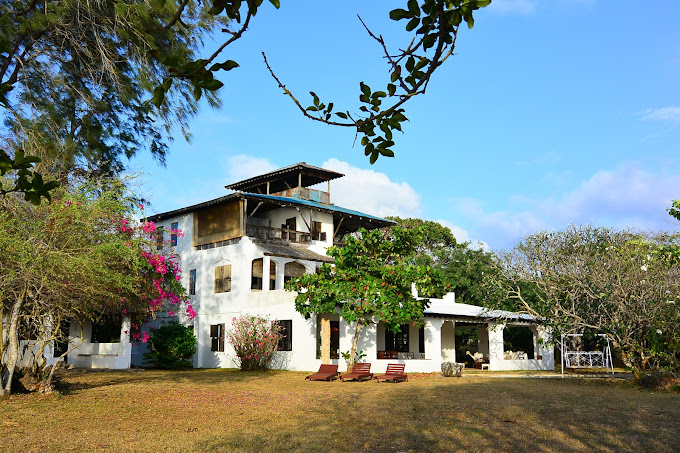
(551, 112)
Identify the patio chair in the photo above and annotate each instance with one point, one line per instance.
(359, 372)
(325, 373)
(394, 373)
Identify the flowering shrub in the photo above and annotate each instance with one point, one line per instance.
(171, 347)
(255, 340)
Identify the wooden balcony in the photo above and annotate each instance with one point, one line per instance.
(278, 234)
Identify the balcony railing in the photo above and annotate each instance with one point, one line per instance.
(280, 234)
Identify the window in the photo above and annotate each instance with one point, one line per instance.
(105, 331)
(397, 341)
(317, 235)
(256, 275)
(174, 227)
(286, 341)
(293, 270)
(257, 278)
(288, 229)
(159, 237)
(421, 340)
(192, 282)
(223, 279)
(335, 339)
(217, 337)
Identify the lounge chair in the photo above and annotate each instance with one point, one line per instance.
(394, 373)
(359, 372)
(325, 373)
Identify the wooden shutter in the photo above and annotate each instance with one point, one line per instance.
(226, 277)
(219, 279)
(257, 268)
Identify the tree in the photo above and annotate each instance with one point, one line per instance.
(463, 269)
(77, 79)
(370, 281)
(621, 283)
(78, 258)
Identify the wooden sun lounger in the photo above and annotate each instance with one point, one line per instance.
(359, 372)
(394, 373)
(325, 373)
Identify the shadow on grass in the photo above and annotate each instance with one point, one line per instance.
(74, 381)
(464, 415)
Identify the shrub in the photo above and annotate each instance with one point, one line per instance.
(255, 340)
(171, 347)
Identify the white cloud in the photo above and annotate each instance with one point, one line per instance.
(372, 192)
(624, 197)
(242, 166)
(669, 114)
(463, 235)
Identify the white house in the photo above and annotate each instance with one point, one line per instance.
(276, 226)
(238, 250)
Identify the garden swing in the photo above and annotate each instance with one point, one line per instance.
(586, 359)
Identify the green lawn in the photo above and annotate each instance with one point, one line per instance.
(227, 410)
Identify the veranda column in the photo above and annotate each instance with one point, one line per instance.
(496, 348)
(433, 343)
(325, 341)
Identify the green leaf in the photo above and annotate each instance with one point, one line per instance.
(341, 115)
(315, 99)
(399, 14)
(412, 24)
(410, 63)
(374, 157)
(211, 85)
(413, 7)
(391, 89)
(198, 92)
(429, 41)
(276, 3)
(158, 96)
(226, 66)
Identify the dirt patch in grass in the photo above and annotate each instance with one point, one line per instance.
(227, 410)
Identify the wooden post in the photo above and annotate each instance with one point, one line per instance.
(325, 341)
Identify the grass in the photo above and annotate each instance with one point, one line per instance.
(227, 410)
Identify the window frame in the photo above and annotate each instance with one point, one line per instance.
(174, 226)
(217, 337)
(192, 282)
(286, 340)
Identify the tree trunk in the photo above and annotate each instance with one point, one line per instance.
(13, 339)
(353, 351)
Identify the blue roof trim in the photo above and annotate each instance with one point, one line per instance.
(314, 204)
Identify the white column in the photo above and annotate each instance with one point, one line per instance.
(266, 263)
(496, 346)
(280, 271)
(433, 339)
(125, 330)
(545, 349)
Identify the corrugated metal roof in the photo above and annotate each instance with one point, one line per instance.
(449, 308)
(321, 207)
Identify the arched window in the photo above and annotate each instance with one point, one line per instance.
(256, 281)
(293, 270)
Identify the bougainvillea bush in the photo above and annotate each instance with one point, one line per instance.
(82, 257)
(255, 340)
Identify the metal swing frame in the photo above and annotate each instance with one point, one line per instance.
(587, 359)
